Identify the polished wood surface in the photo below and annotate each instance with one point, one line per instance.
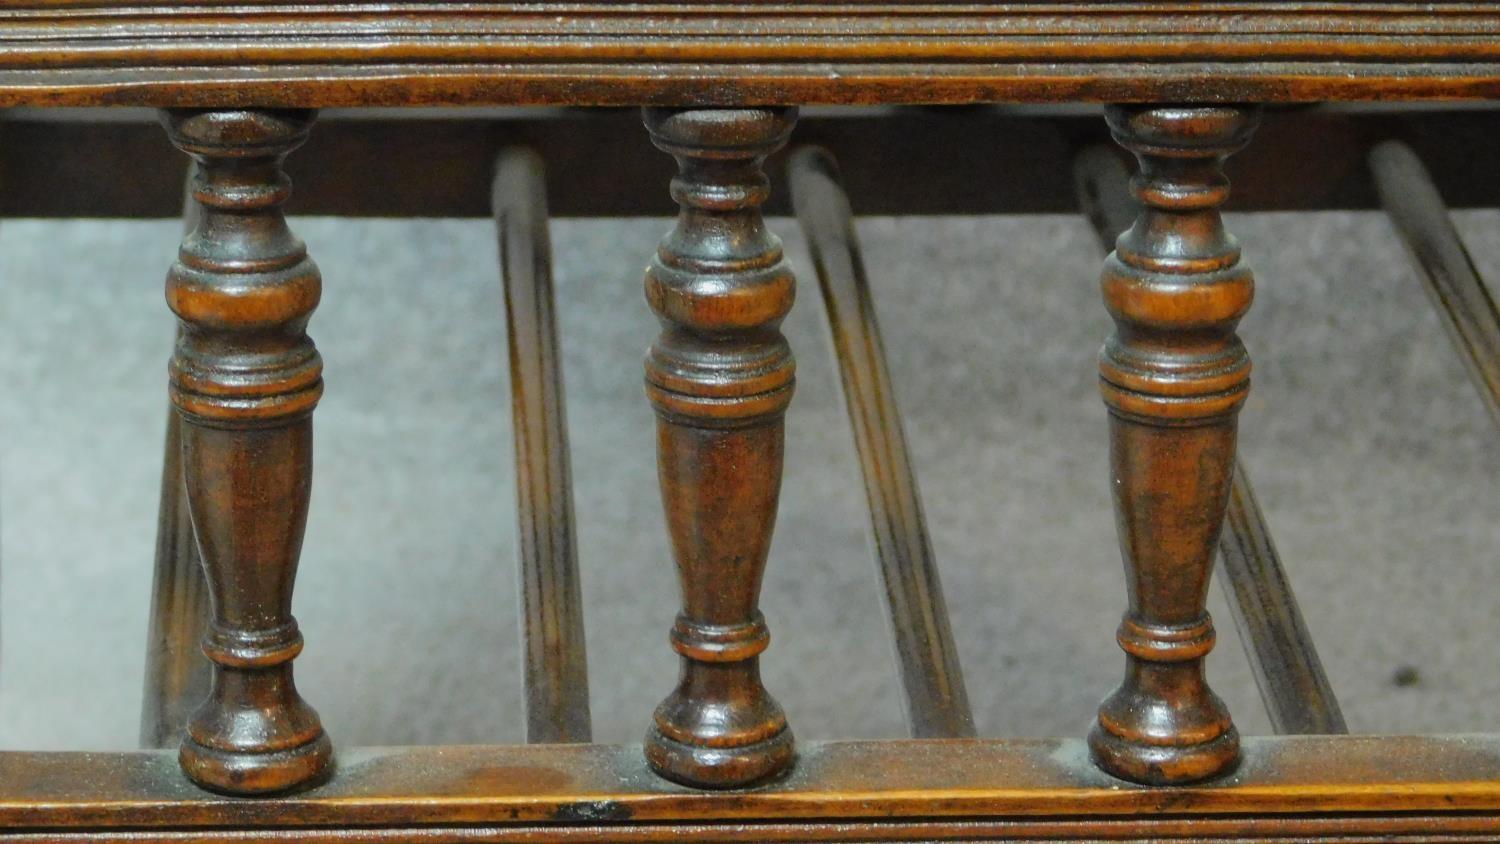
(936, 701)
(245, 379)
(1183, 85)
(1286, 789)
(320, 53)
(720, 377)
(1288, 672)
(1173, 376)
(555, 661)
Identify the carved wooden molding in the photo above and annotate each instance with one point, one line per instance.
(81, 52)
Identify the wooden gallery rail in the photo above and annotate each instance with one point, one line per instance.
(1184, 86)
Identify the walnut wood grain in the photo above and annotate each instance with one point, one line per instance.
(1464, 303)
(1288, 672)
(936, 701)
(319, 53)
(720, 377)
(555, 661)
(245, 379)
(1173, 376)
(1287, 789)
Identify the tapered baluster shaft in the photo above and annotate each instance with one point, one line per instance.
(1173, 376)
(720, 378)
(937, 705)
(1288, 672)
(245, 379)
(557, 676)
(177, 674)
(1464, 304)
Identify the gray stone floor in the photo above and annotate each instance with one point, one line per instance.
(1370, 451)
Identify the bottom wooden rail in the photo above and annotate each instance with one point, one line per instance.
(1287, 788)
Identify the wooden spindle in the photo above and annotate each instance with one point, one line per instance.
(1464, 304)
(1173, 375)
(245, 379)
(1299, 699)
(937, 703)
(177, 674)
(720, 377)
(1288, 672)
(556, 665)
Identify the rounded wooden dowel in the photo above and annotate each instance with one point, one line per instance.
(720, 378)
(1173, 376)
(177, 675)
(552, 637)
(245, 378)
(936, 699)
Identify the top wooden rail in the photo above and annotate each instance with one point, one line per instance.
(305, 53)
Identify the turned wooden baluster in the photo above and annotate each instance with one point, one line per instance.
(720, 378)
(1298, 697)
(1173, 375)
(245, 379)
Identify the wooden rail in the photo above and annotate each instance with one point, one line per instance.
(319, 53)
(1286, 789)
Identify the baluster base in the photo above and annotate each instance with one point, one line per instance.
(699, 766)
(1163, 764)
(238, 773)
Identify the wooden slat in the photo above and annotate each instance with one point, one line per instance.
(320, 53)
(1294, 788)
(937, 704)
(1283, 658)
(556, 665)
(1288, 672)
(177, 672)
(1464, 304)
(115, 163)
